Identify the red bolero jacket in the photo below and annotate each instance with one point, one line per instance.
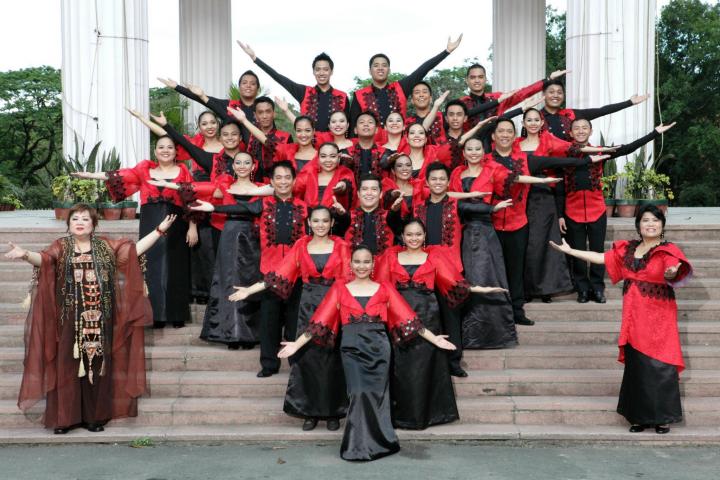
(127, 181)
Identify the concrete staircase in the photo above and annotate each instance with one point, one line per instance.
(561, 383)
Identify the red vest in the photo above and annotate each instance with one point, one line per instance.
(566, 115)
(309, 105)
(451, 227)
(584, 199)
(273, 253)
(384, 233)
(397, 100)
(502, 183)
(265, 154)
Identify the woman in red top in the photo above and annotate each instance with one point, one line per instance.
(316, 387)
(168, 265)
(395, 129)
(324, 181)
(366, 311)
(649, 341)
(421, 389)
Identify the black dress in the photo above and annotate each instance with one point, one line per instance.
(422, 390)
(365, 350)
(167, 272)
(487, 319)
(237, 262)
(316, 387)
(202, 255)
(546, 269)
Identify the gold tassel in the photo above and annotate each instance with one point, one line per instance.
(102, 367)
(76, 352)
(26, 302)
(81, 370)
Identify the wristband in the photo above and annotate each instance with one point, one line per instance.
(160, 232)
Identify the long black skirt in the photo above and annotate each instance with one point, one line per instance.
(650, 390)
(202, 261)
(168, 265)
(422, 390)
(237, 262)
(488, 320)
(316, 387)
(546, 269)
(365, 351)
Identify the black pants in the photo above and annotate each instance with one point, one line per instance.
(587, 236)
(452, 327)
(514, 245)
(274, 314)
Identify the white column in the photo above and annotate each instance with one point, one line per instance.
(105, 69)
(205, 49)
(518, 43)
(611, 52)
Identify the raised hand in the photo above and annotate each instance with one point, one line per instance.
(202, 206)
(159, 119)
(488, 120)
(337, 206)
(158, 183)
(249, 51)
(397, 204)
(340, 187)
(441, 99)
(550, 180)
(563, 247)
(288, 349)
(598, 158)
(671, 272)
(85, 175)
(166, 223)
(507, 95)
(241, 293)
(451, 46)
(15, 252)
(532, 102)
(558, 73)
(237, 113)
(168, 82)
(196, 90)
(664, 128)
(635, 99)
(503, 204)
(441, 341)
(134, 113)
(281, 103)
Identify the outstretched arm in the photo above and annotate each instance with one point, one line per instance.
(144, 244)
(593, 113)
(15, 253)
(592, 257)
(255, 131)
(473, 131)
(282, 104)
(411, 80)
(430, 118)
(154, 127)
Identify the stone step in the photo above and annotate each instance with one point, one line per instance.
(519, 410)
(543, 357)
(616, 435)
(479, 383)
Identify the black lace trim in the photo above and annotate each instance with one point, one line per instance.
(321, 335)
(659, 291)
(321, 281)
(371, 104)
(637, 264)
(449, 219)
(515, 167)
(279, 284)
(411, 284)
(115, 186)
(458, 293)
(407, 330)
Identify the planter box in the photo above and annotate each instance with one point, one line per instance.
(661, 204)
(129, 210)
(62, 209)
(610, 206)
(626, 208)
(111, 211)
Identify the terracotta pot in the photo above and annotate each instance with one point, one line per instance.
(626, 208)
(129, 210)
(62, 209)
(661, 204)
(6, 207)
(609, 206)
(111, 213)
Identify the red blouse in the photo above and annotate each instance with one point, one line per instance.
(307, 186)
(206, 191)
(649, 313)
(299, 263)
(127, 181)
(387, 306)
(502, 182)
(437, 271)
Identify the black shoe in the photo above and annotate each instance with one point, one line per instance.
(310, 424)
(599, 296)
(266, 373)
(637, 428)
(94, 427)
(524, 321)
(61, 431)
(662, 429)
(159, 325)
(583, 297)
(247, 345)
(333, 424)
(233, 346)
(178, 324)
(546, 299)
(457, 371)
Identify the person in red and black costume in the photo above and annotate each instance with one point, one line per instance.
(325, 182)
(381, 97)
(365, 156)
(511, 223)
(427, 112)
(369, 223)
(317, 102)
(451, 151)
(248, 86)
(558, 120)
(281, 220)
(264, 138)
(583, 217)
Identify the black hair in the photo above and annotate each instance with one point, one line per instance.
(369, 177)
(423, 82)
(652, 209)
(580, 118)
(283, 164)
(503, 120)
(472, 67)
(165, 136)
(339, 111)
(206, 112)
(317, 208)
(263, 99)
(252, 74)
(361, 246)
(555, 81)
(412, 220)
(393, 158)
(378, 55)
(523, 131)
(417, 122)
(301, 118)
(332, 144)
(456, 103)
(369, 113)
(435, 166)
(225, 123)
(323, 57)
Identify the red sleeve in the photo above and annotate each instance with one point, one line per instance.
(382, 267)
(403, 323)
(519, 96)
(124, 182)
(281, 280)
(448, 280)
(673, 256)
(614, 260)
(325, 322)
(558, 147)
(300, 185)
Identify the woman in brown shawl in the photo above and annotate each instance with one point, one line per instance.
(84, 337)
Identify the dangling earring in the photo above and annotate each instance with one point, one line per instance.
(662, 235)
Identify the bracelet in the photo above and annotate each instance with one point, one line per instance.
(160, 232)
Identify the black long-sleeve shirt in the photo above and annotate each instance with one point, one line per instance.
(283, 216)
(559, 125)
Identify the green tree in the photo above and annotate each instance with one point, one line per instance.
(688, 67)
(555, 25)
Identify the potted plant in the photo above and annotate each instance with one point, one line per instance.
(609, 184)
(108, 209)
(64, 199)
(644, 185)
(9, 195)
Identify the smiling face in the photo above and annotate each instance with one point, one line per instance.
(339, 124)
(80, 223)
(362, 263)
(581, 131)
(417, 137)
(165, 151)
(379, 69)
(421, 96)
(208, 125)
(304, 132)
(243, 165)
(328, 158)
(322, 72)
(282, 181)
(248, 86)
(264, 115)
(394, 124)
(230, 136)
(474, 151)
(476, 80)
(366, 126)
(320, 222)
(369, 194)
(455, 117)
(554, 96)
(403, 168)
(650, 227)
(438, 182)
(413, 236)
(532, 122)
(504, 135)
